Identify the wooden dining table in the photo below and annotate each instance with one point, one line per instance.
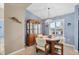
(51, 42)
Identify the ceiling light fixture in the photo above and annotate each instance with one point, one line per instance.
(48, 13)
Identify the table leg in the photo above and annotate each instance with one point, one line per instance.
(52, 48)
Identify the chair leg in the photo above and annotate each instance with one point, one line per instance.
(46, 49)
(62, 50)
(46, 52)
(36, 50)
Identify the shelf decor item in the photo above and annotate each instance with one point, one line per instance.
(15, 19)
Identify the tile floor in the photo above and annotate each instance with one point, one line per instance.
(31, 51)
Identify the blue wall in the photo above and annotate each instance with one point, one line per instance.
(1, 29)
(76, 27)
(30, 15)
(68, 30)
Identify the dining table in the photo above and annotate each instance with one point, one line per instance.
(51, 42)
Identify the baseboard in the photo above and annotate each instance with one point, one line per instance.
(16, 51)
(69, 45)
(76, 50)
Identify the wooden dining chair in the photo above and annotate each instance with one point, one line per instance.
(59, 47)
(42, 45)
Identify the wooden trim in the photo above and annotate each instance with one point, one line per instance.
(16, 51)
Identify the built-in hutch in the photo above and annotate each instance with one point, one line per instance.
(33, 27)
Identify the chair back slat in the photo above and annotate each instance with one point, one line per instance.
(40, 41)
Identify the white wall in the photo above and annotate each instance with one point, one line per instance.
(1, 13)
(14, 32)
(1, 28)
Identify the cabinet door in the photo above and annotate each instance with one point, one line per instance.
(35, 28)
(31, 29)
(39, 28)
(27, 28)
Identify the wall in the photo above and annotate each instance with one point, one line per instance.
(76, 27)
(1, 22)
(14, 32)
(30, 15)
(1, 12)
(1, 29)
(68, 30)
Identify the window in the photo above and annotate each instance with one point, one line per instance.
(56, 27)
(58, 24)
(52, 25)
(51, 28)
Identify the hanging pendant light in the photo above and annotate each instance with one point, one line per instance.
(48, 12)
(48, 18)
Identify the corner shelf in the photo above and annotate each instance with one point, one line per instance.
(15, 19)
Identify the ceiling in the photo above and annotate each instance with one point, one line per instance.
(56, 9)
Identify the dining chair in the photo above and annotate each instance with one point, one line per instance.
(42, 45)
(59, 46)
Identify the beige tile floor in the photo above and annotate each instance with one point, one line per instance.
(31, 51)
